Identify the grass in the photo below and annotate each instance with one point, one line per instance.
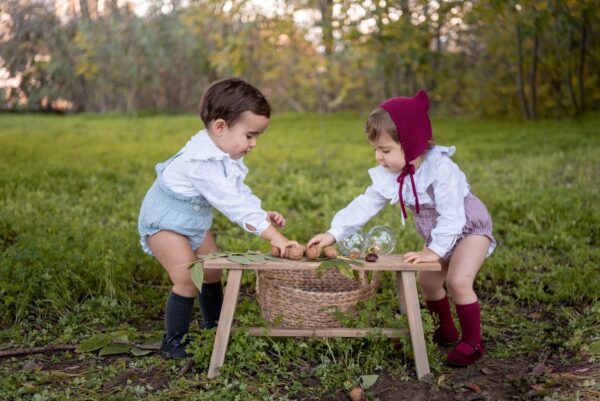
(71, 265)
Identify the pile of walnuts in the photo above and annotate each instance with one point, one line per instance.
(299, 251)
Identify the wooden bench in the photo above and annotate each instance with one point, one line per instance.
(406, 290)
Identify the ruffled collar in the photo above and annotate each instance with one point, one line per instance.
(387, 182)
(202, 148)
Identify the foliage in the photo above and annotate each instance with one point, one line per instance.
(71, 265)
(342, 264)
(530, 58)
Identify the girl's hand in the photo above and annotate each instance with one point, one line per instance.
(321, 240)
(426, 255)
(276, 219)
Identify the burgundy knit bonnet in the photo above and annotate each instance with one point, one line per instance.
(411, 118)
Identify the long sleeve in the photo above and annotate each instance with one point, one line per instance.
(230, 196)
(449, 188)
(357, 213)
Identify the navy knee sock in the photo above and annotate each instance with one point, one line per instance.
(211, 300)
(178, 314)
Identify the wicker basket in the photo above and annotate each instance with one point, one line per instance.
(301, 299)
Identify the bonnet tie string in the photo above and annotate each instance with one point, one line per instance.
(409, 170)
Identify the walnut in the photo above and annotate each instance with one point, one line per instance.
(357, 394)
(275, 251)
(313, 252)
(354, 253)
(296, 252)
(330, 252)
(375, 248)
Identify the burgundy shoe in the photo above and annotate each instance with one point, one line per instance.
(445, 337)
(466, 353)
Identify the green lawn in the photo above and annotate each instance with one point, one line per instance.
(71, 265)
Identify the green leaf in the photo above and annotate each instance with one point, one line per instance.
(346, 271)
(113, 349)
(120, 335)
(94, 343)
(273, 258)
(595, 348)
(368, 380)
(256, 258)
(240, 259)
(323, 266)
(139, 352)
(198, 275)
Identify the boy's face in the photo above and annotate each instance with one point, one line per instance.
(239, 139)
(389, 153)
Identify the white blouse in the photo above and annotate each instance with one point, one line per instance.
(437, 170)
(204, 169)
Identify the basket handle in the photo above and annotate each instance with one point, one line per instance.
(364, 278)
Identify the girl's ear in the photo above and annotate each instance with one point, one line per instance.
(422, 95)
(218, 126)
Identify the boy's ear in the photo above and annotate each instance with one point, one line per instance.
(218, 126)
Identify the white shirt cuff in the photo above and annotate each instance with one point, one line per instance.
(440, 249)
(262, 227)
(437, 250)
(335, 233)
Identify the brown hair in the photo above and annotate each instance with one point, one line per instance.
(379, 122)
(229, 98)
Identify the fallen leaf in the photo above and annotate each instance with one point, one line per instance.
(486, 371)
(538, 369)
(368, 380)
(473, 387)
(535, 315)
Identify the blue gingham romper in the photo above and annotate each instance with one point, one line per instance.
(164, 209)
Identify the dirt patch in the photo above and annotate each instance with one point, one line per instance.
(490, 379)
(154, 378)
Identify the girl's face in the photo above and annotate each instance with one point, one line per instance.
(389, 153)
(239, 139)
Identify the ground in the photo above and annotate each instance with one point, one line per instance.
(547, 376)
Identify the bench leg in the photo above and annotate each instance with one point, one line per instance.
(413, 312)
(400, 293)
(234, 280)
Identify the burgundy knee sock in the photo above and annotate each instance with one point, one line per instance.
(469, 317)
(470, 348)
(446, 331)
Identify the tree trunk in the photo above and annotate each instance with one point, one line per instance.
(568, 80)
(326, 9)
(85, 11)
(581, 66)
(533, 76)
(520, 81)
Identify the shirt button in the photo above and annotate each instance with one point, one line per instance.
(196, 208)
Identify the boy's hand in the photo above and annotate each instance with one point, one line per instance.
(321, 240)
(276, 219)
(283, 243)
(426, 255)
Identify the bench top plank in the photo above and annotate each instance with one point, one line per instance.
(385, 263)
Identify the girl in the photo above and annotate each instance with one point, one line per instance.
(454, 223)
(208, 172)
